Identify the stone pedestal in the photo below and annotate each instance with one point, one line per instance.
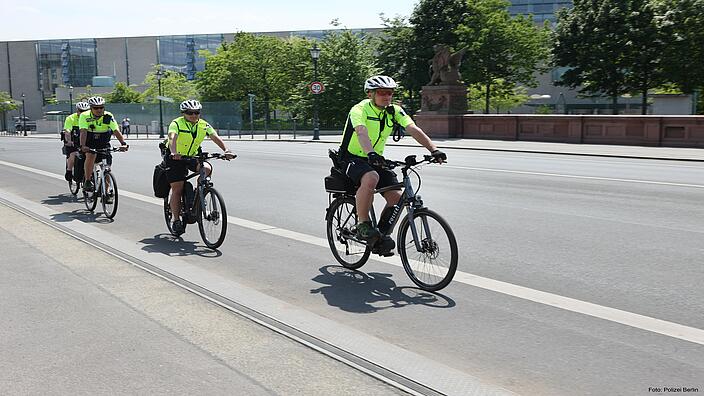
(441, 111)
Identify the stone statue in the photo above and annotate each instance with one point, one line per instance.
(444, 67)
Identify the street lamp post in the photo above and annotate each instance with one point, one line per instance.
(159, 75)
(315, 54)
(70, 99)
(24, 117)
(251, 113)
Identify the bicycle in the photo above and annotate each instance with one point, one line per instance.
(105, 185)
(423, 240)
(204, 205)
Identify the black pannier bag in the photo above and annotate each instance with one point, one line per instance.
(159, 181)
(78, 165)
(338, 182)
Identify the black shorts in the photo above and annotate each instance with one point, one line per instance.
(178, 170)
(98, 140)
(358, 166)
(67, 150)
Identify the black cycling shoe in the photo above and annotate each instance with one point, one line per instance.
(88, 185)
(178, 228)
(367, 232)
(384, 247)
(68, 176)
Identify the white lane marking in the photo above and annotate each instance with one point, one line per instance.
(642, 322)
(575, 176)
(613, 179)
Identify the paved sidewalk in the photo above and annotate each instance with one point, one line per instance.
(665, 153)
(76, 320)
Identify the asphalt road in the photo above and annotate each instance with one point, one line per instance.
(624, 234)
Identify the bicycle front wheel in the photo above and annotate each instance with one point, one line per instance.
(431, 264)
(212, 219)
(109, 198)
(341, 220)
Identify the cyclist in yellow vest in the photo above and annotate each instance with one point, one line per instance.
(71, 138)
(369, 124)
(97, 127)
(186, 133)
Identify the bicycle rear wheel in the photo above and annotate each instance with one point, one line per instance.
(341, 220)
(212, 218)
(433, 266)
(73, 187)
(109, 199)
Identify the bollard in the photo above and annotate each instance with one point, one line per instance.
(228, 130)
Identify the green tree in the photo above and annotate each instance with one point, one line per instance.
(591, 39)
(504, 96)
(269, 67)
(500, 47)
(173, 85)
(346, 61)
(405, 49)
(683, 57)
(123, 94)
(6, 104)
(644, 49)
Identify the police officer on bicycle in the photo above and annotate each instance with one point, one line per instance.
(186, 133)
(95, 126)
(71, 138)
(369, 124)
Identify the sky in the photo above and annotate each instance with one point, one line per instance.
(57, 19)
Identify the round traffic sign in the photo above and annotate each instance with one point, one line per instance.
(317, 87)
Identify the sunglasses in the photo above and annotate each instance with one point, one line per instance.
(191, 112)
(97, 107)
(384, 93)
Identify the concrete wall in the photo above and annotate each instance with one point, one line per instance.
(110, 53)
(24, 74)
(649, 130)
(142, 55)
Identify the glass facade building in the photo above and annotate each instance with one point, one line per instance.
(181, 53)
(66, 62)
(542, 10)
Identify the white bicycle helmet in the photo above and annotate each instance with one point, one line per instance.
(82, 106)
(96, 101)
(375, 82)
(190, 104)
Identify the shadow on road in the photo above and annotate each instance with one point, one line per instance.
(356, 291)
(81, 215)
(175, 246)
(60, 199)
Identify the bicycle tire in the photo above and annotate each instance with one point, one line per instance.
(215, 216)
(424, 273)
(74, 187)
(343, 209)
(110, 209)
(90, 198)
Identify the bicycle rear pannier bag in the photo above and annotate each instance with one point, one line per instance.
(338, 182)
(159, 181)
(78, 165)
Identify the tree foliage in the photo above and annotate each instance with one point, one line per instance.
(173, 85)
(6, 102)
(405, 49)
(683, 57)
(123, 94)
(266, 66)
(504, 96)
(500, 47)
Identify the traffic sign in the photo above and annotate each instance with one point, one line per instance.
(317, 87)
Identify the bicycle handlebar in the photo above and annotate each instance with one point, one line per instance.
(105, 150)
(205, 156)
(411, 161)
